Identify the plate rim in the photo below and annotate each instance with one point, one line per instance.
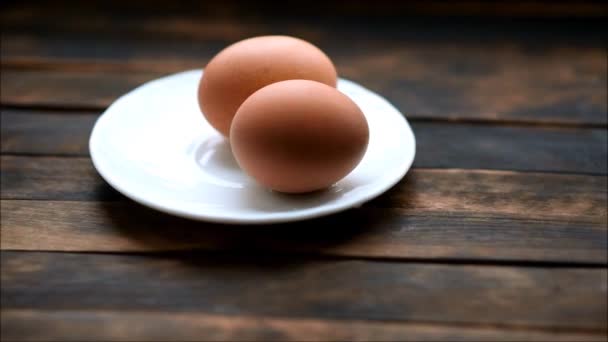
(298, 215)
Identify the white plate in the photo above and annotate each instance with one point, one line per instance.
(154, 146)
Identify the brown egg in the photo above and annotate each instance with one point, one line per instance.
(298, 136)
(244, 67)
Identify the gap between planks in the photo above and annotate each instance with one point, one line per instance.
(265, 285)
(565, 150)
(457, 214)
(368, 233)
(447, 168)
(98, 111)
(497, 263)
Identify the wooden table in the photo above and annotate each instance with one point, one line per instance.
(499, 232)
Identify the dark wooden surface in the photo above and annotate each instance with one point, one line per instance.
(499, 232)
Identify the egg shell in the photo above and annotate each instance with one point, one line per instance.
(298, 136)
(246, 66)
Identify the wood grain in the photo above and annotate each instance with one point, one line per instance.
(306, 288)
(36, 325)
(474, 192)
(511, 148)
(506, 93)
(525, 71)
(476, 214)
(46, 132)
(52, 177)
(365, 233)
(369, 232)
(460, 249)
(439, 145)
(67, 89)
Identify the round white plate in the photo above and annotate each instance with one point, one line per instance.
(154, 146)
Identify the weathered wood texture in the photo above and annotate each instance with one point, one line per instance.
(499, 232)
(305, 288)
(532, 71)
(444, 145)
(365, 233)
(86, 325)
(67, 89)
(422, 92)
(564, 197)
(46, 132)
(496, 215)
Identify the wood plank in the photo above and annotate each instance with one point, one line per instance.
(527, 71)
(480, 193)
(363, 233)
(67, 89)
(478, 214)
(303, 288)
(511, 148)
(51, 177)
(555, 149)
(215, 22)
(46, 132)
(448, 214)
(420, 83)
(35, 325)
(470, 9)
(369, 232)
